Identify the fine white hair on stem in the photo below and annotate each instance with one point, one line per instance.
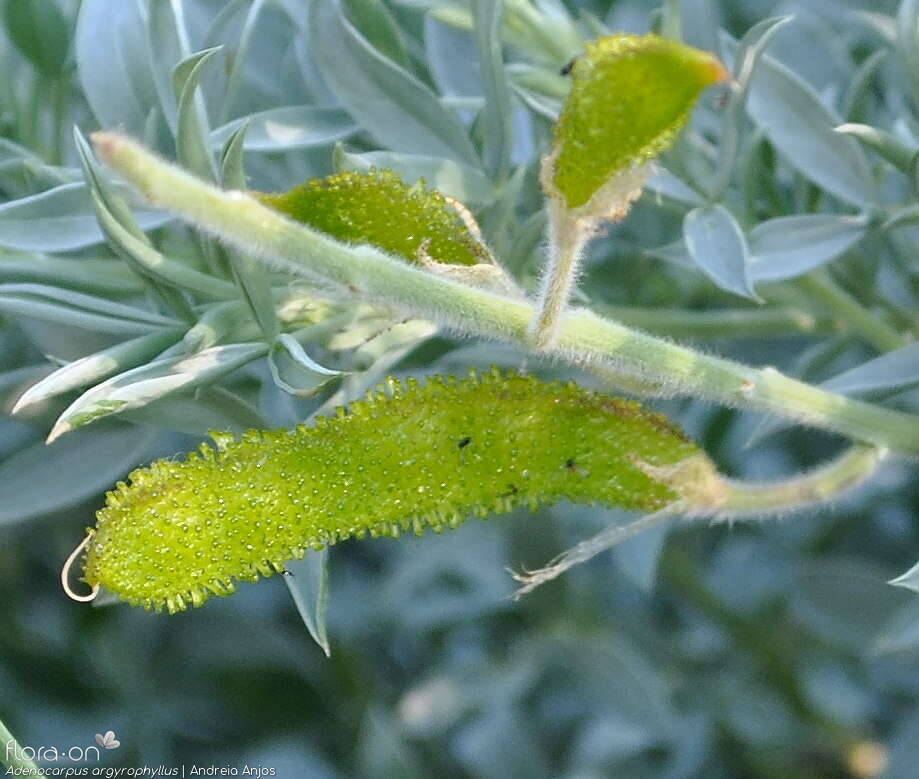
(569, 232)
(375, 277)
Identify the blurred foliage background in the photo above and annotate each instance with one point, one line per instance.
(767, 650)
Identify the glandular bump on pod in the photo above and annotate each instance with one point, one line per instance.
(377, 207)
(182, 531)
(630, 96)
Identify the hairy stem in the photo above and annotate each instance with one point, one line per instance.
(707, 494)
(822, 288)
(583, 337)
(723, 323)
(853, 467)
(567, 239)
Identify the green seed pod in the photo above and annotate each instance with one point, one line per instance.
(630, 96)
(406, 458)
(379, 208)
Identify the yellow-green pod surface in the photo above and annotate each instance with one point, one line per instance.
(404, 459)
(630, 96)
(379, 208)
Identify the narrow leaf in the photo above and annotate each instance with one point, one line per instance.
(717, 245)
(41, 479)
(290, 127)
(497, 127)
(40, 176)
(294, 371)
(751, 48)
(252, 279)
(105, 278)
(908, 580)
(65, 307)
(701, 22)
(675, 252)
(541, 106)
(376, 23)
(214, 325)
(120, 226)
(232, 156)
(96, 367)
(59, 220)
(671, 21)
(892, 372)
(544, 81)
(901, 632)
(844, 600)
(167, 39)
(891, 148)
(452, 59)
(308, 582)
(500, 219)
(237, 59)
(907, 30)
(158, 266)
(141, 386)
(38, 29)
(663, 182)
(192, 133)
(98, 183)
(801, 127)
(790, 246)
(523, 251)
(391, 104)
(113, 64)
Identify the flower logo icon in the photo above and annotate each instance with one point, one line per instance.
(108, 741)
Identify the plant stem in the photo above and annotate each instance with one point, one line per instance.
(11, 754)
(550, 39)
(747, 499)
(671, 23)
(822, 288)
(705, 494)
(584, 338)
(722, 323)
(851, 468)
(554, 39)
(567, 240)
(59, 99)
